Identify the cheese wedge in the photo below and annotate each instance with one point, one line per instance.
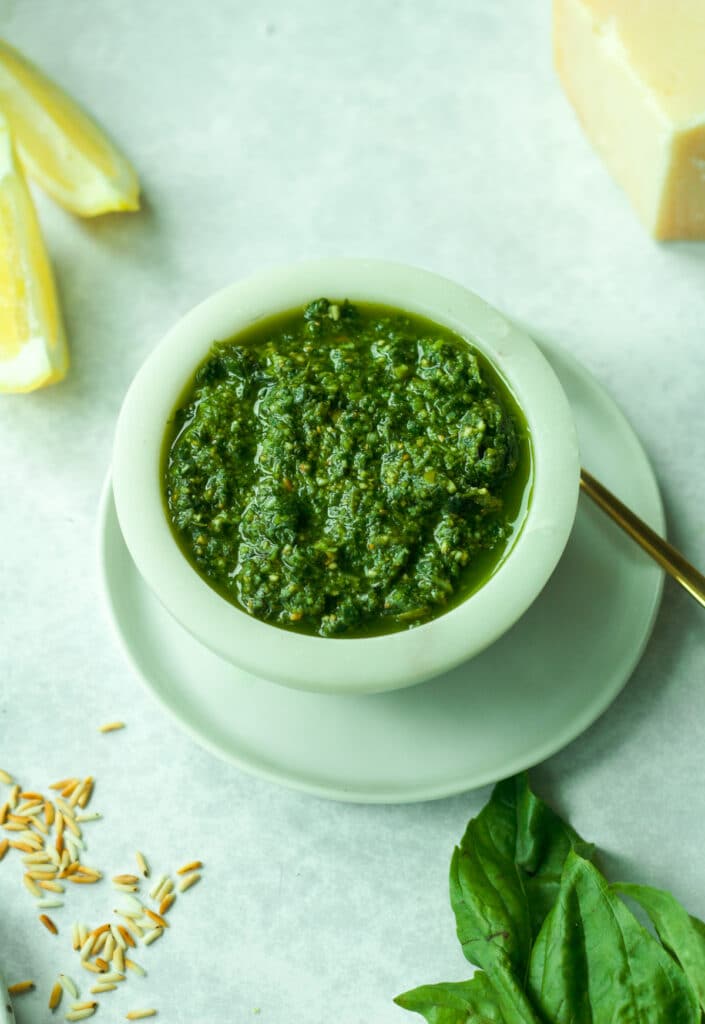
(33, 349)
(635, 73)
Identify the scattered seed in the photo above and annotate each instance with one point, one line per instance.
(109, 947)
(188, 881)
(157, 886)
(74, 852)
(69, 788)
(31, 807)
(126, 935)
(80, 1014)
(86, 869)
(142, 864)
(118, 960)
(99, 943)
(48, 924)
(150, 937)
(103, 987)
(165, 888)
(13, 797)
(55, 997)
(20, 987)
(87, 1010)
(87, 792)
(133, 966)
(48, 904)
(59, 844)
(136, 929)
(37, 857)
(71, 825)
(126, 879)
(68, 986)
(75, 936)
(27, 832)
(4, 811)
(51, 886)
(16, 844)
(101, 964)
(36, 842)
(88, 965)
(111, 727)
(157, 918)
(5, 777)
(193, 865)
(32, 886)
(49, 813)
(86, 1005)
(113, 976)
(129, 913)
(140, 1014)
(121, 887)
(87, 947)
(167, 903)
(61, 784)
(66, 809)
(82, 932)
(4, 845)
(91, 816)
(42, 871)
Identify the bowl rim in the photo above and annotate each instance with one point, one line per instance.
(345, 665)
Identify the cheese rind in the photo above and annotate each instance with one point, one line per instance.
(635, 73)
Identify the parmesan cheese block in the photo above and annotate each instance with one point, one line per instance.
(635, 73)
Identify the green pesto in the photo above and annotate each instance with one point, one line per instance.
(346, 470)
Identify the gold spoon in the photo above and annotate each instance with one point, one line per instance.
(660, 550)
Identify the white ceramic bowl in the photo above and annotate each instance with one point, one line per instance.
(342, 665)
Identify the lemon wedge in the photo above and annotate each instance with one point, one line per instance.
(33, 349)
(59, 145)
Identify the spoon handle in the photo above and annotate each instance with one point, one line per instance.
(660, 550)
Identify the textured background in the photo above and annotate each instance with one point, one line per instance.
(432, 134)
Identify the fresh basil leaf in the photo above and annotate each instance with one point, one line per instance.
(506, 873)
(681, 934)
(511, 997)
(593, 963)
(460, 1002)
(487, 891)
(543, 842)
(490, 902)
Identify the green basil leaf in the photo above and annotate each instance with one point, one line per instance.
(681, 934)
(460, 1002)
(506, 873)
(593, 963)
(487, 890)
(543, 842)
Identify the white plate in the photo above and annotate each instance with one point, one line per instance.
(517, 703)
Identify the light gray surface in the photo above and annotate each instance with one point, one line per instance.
(263, 133)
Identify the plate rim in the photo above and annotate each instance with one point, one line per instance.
(436, 791)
